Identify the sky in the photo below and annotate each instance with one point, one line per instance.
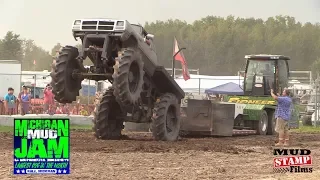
(49, 22)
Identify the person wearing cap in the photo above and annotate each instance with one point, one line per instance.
(283, 115)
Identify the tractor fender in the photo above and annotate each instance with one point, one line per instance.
(253, 111)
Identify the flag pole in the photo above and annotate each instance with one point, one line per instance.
(174, 57)
(173, 61)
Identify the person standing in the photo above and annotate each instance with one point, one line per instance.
(283, 115)
(48, 99)
(10, 101)
(24, 99)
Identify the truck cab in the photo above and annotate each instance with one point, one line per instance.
(148, 38)
(264, 72)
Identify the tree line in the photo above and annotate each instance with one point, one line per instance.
(31, 56)
(218, 45)
(215, 45)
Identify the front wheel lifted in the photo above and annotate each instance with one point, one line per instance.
(166, 118)
(128, 76)
(65, 87)
(107, 121)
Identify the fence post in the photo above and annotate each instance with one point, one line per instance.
(199, 86)
(89, 92)
(316, 119)
(34, 86)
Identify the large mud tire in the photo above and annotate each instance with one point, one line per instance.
(128, 77)
(271, 124)
(261, 126)
(166, 118)
(107, 121)
(65, 87)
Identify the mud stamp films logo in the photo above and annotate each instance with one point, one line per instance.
(41, 146)
(292, 160)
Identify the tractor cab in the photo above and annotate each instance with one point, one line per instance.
(265, 72)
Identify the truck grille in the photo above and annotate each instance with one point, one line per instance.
(98, 25)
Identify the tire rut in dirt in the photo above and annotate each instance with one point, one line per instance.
(166, 118)
(107, 121)
(65, 87)
(128, 77)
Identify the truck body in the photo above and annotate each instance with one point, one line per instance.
(124, 55)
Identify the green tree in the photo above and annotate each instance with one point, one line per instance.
(34, 53)
(11, 47)
(315, 68)
(55, 49)
(218, 45)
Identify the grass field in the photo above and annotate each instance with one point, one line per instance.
(72, 127)
(307, 129)
(302, 129)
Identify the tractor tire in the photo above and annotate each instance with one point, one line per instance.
(64, 87)
(166, 118)
(128, 77)
(261, 126)
(271, 124)
(107, 121)
(306, 120)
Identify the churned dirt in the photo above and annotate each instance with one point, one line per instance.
(139, 157)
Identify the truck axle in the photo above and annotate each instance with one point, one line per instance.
(91, 76)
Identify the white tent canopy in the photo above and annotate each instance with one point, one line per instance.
(203, 82)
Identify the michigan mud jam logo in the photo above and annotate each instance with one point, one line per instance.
(41, 146)
(292, 160)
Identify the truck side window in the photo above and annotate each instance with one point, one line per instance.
(283, 73)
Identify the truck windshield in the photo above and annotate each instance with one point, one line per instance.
(137, 28)
(258, 67)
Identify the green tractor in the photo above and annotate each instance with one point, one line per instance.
(250, 113)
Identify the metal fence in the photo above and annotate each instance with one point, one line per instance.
(315, 102)
(197, 86)
(36, 82)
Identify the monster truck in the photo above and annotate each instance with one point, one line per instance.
(124, 54)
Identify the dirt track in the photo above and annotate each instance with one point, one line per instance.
(248, 157)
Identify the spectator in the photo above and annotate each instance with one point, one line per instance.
(10, 101)
(24, 99)
(67, 109)
(83, 112)
(52, 109)
(74, 110)
(59, 110)
(1, 106)
(48, 98)
(63, 108)
(283, 115)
